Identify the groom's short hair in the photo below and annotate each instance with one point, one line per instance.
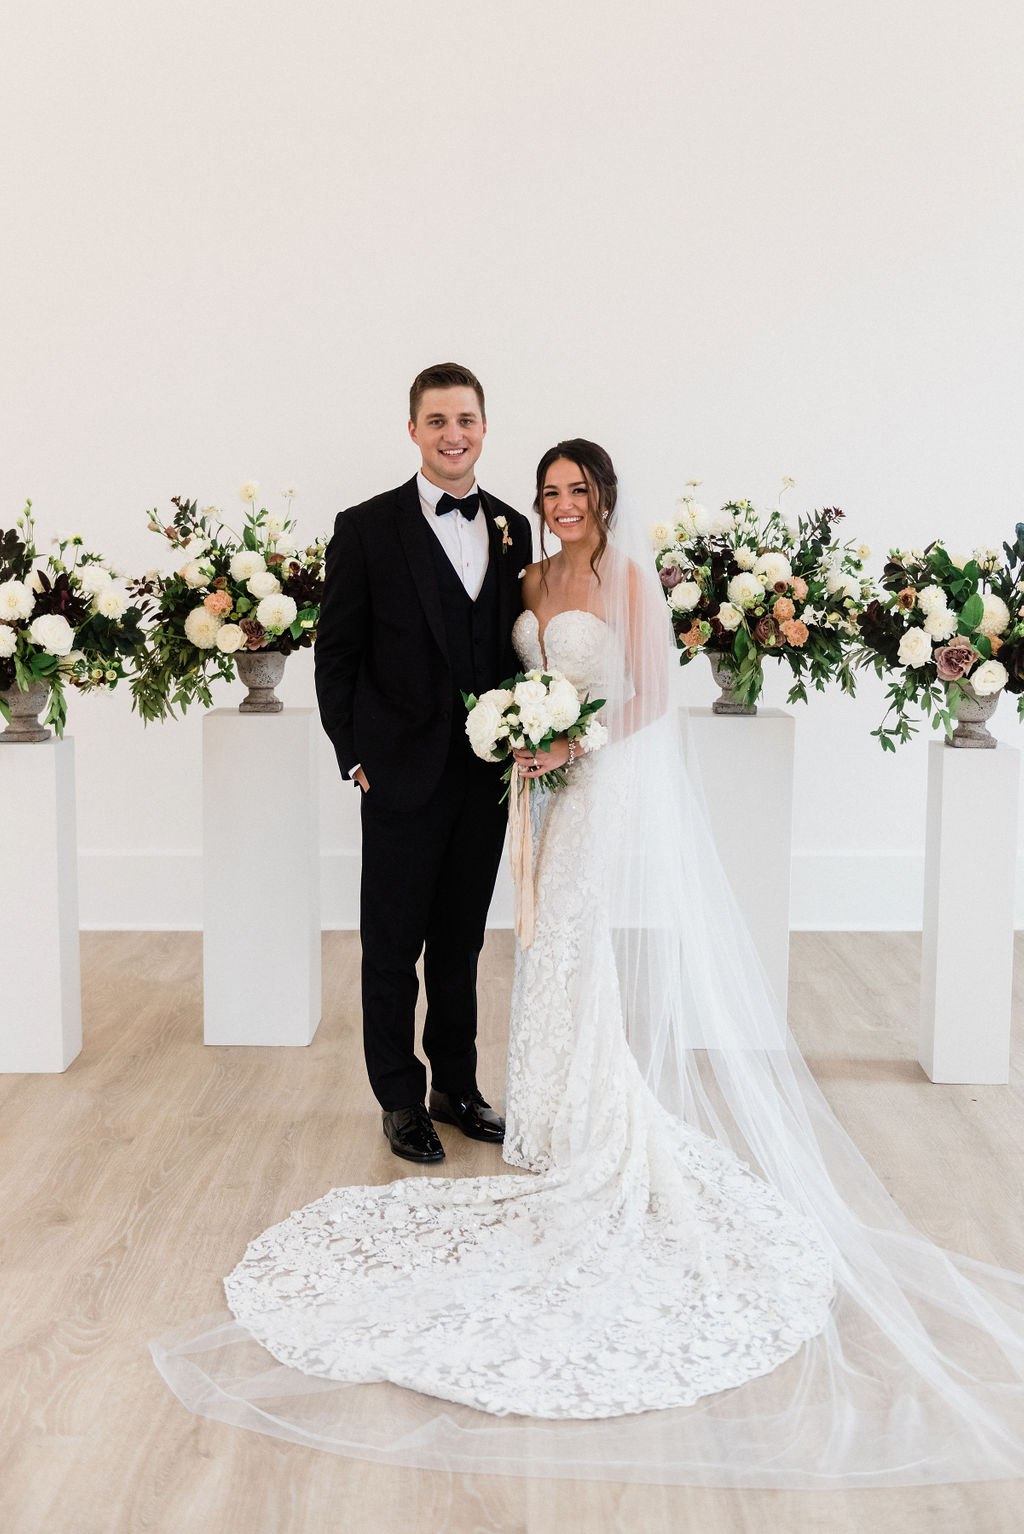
(444, 375)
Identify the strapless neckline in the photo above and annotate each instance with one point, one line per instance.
(566, 612)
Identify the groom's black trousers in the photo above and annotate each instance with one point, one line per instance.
(427, 879)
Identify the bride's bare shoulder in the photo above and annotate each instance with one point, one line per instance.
(532, 576)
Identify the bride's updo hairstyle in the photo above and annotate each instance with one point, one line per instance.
(599, 472)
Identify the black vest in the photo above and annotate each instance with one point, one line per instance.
(471, 630)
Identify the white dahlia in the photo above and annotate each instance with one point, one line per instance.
(662, 535)
(52, 633)
(201, 627)
(8, 640)
(774, 567)
(745, 558)
(940, 624)
(995, 618)
(245, 564)
(276, 612)
(16, 601)
(745, 590)
(113, 601)
(931, 599)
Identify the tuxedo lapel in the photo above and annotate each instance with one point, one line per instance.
(415, 535)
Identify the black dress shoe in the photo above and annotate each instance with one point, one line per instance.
(411, 1134)
(470, 1113)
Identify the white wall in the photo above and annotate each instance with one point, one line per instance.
(731, 240)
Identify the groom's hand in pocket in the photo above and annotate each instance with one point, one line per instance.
(359, 776)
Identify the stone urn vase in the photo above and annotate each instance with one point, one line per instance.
(728, 703)
(261, 671)
(25, 705)
(972, 712)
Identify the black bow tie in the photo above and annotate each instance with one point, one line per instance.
(467, 505)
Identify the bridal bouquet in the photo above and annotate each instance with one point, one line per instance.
(952, 625)
(528, 711)
(250, 591)
(65, 619)
(744, 585)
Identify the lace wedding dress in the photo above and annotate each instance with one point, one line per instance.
(641, 1266)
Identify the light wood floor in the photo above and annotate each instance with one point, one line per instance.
(130, 1185)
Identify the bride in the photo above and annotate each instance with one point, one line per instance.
(701, 1281)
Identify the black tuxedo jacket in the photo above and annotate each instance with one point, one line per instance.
(383, 681)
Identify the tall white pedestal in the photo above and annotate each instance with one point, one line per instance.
(40, 974)
(746, 769)
(967, 948)
(261, 878)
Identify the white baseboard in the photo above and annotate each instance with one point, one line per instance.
(831, 892)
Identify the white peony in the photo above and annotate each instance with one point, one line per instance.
(498, 697)
(52, 633)
(245, 564)
(729, 617)
(941, 624)
(196, 573)
(262, 584)
(535, 720)
(995, 618)
(685, 596)
(201, 627)
(16, 601)
(774, 567)
(229, 638)
(931, 599)
(745, 558)
(93, 579)
(662, 535)
(8, 640)
(991, 676)
(276, 612)
(563, 704)
(595, 735)
(915, 648)
(745, 590)
(482, 723)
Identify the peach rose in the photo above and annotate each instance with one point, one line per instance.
(783, 609)
(996, 643)
(218, 602)
(798, 586)
(796, 632)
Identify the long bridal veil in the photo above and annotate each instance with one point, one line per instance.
(918, 1376)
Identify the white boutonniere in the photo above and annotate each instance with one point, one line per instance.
(506, 536)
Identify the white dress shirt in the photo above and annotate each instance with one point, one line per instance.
(464, 542)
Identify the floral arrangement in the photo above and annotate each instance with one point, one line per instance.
(952, 624)
(65, 620)
(530, 709)
(233, 592)
(745, 585)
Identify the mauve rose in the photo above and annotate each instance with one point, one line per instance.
(671, 575)
(953, 661)
(255, 633)
(767, 631)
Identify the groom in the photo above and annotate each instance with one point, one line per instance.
(421, 592)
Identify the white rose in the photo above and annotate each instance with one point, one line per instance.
(729, 617)
(931, 599)
(276, 612)
(775, 567)
(195, 573)
(531, 692)
(535, 719)
(915, 648)
(52, 633)
(995, 618)
(113, 601)
(245, 564)
(263, 584)
(563, 704)
(229, 638)
(498, 697)
(93, 579)
(8, 641)
(661, 535)
(201, 627)
(941, 624)
(745, 558)
(685, 596)
(249, 490)
(482, 723)
(991, 676)
(959, 560)
(16, 601)
(745, 590)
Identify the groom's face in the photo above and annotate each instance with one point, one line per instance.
(449, 431)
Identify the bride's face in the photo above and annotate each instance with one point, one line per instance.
(567, 499)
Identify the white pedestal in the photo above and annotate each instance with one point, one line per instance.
(261, 878)
(967, 947)
(746, 769)
(40, 993)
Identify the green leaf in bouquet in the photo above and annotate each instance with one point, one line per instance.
(469, 699)
(249, 539)
(983, 645)
(972, 613)
(972, 571)
(741, 644)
